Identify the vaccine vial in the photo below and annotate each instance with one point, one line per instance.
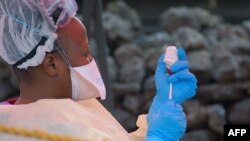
(171, 57)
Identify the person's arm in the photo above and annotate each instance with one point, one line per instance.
(167, 122)
(154, 138)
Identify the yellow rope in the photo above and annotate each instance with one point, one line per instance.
(36, 134)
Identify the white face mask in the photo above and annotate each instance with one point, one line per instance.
(87, 82)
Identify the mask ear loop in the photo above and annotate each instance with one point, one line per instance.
(61, 51)
(88, 59)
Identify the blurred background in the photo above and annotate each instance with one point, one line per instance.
(127, 38)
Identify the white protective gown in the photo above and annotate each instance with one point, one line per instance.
(87, 120)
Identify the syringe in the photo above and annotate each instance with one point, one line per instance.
(170, 58)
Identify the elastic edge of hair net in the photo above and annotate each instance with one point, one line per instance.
(40, 53)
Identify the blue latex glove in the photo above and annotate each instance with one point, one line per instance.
(166, 118)
(183, 81)
(168, 123)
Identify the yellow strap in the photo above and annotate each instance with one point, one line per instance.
(36, 134)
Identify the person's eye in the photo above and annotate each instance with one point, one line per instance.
(86, 54)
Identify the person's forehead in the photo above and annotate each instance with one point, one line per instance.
(74, 41)
(74, 28)
(74, 34)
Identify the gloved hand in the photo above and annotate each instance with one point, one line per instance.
(168, 122)
(183, 81)
(166, 118)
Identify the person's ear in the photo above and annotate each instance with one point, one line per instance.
(49, 65)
